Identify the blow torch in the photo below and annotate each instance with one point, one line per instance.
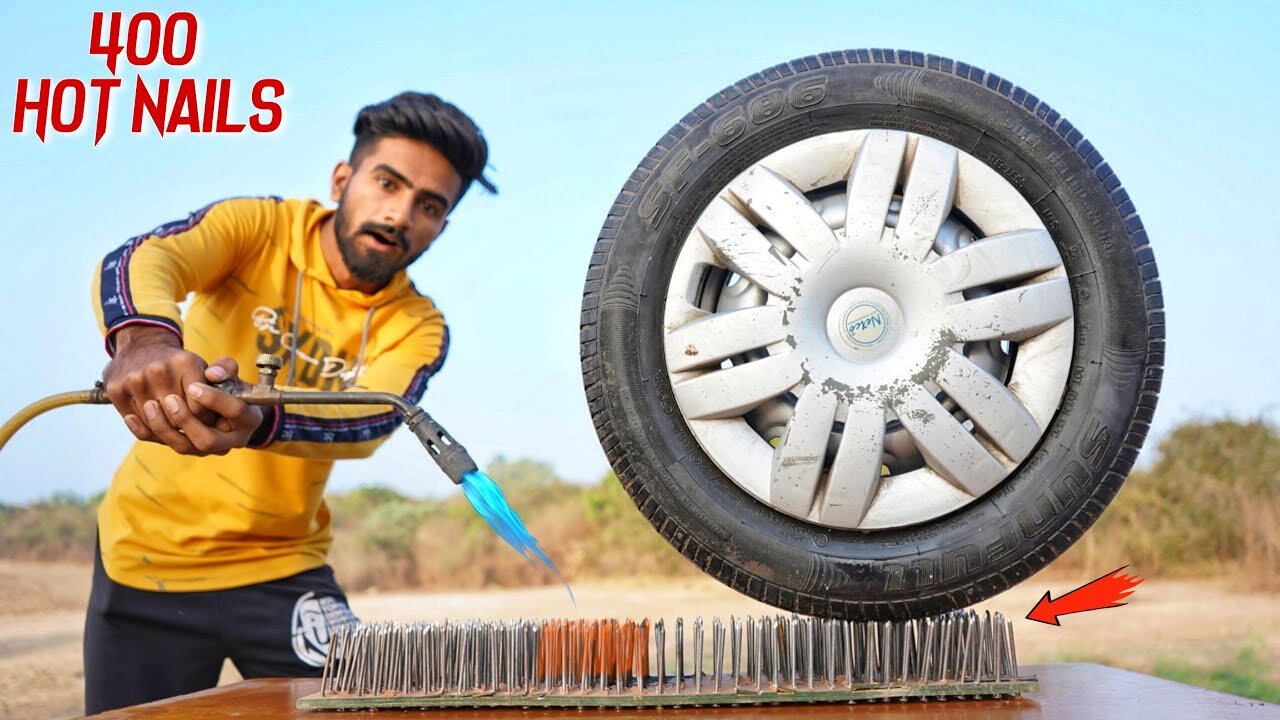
(451, 456)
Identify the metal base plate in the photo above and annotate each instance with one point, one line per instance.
(744, 694)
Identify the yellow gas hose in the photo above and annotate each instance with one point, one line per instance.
(29, 413)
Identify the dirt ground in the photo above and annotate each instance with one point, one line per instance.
(1200, 623)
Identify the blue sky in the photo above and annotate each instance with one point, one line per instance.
(1180, 99)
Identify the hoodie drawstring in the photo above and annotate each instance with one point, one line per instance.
(364, 340)
(293, 338)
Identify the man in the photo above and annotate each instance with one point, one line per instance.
(213, 534)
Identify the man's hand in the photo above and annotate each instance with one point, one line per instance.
(152, 373)
(150, 364)
(235, 419)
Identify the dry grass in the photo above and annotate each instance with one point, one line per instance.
(1208, 505)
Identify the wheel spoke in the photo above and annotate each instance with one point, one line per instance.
(927, 198)
(716, 337)
(993, 408)
(947, 447)
(1011, 256)
(733, 391)
(872, 180)
(782, 207)
(745, 249)
(855, 474)
(797, 461)
(1015, 314)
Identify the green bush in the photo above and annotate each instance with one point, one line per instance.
(1210, 502)
(61, 528)
(351, 507)
(391, 528)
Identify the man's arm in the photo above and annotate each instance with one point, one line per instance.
(138, 287)
(141, 282)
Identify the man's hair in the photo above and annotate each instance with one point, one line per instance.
(426, 118)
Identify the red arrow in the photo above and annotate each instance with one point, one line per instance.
(1105, 592)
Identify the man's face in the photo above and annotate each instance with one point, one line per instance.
(391, 206)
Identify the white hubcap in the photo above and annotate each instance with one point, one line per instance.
(856, 324)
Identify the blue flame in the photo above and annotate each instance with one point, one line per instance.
(489, 503)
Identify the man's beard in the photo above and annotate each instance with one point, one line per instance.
(369, 266)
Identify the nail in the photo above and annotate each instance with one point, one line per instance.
(151, 408)
(131, 421)
(171, 403)
(216, 373)
(195, 390)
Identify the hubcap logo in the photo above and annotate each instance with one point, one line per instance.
(865, 324)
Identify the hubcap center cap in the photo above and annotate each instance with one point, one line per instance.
(864, 324)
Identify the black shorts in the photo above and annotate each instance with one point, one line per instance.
(141, 645)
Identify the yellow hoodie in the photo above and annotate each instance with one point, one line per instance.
(179, 523)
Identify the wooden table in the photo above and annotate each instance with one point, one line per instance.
(1068, 691)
